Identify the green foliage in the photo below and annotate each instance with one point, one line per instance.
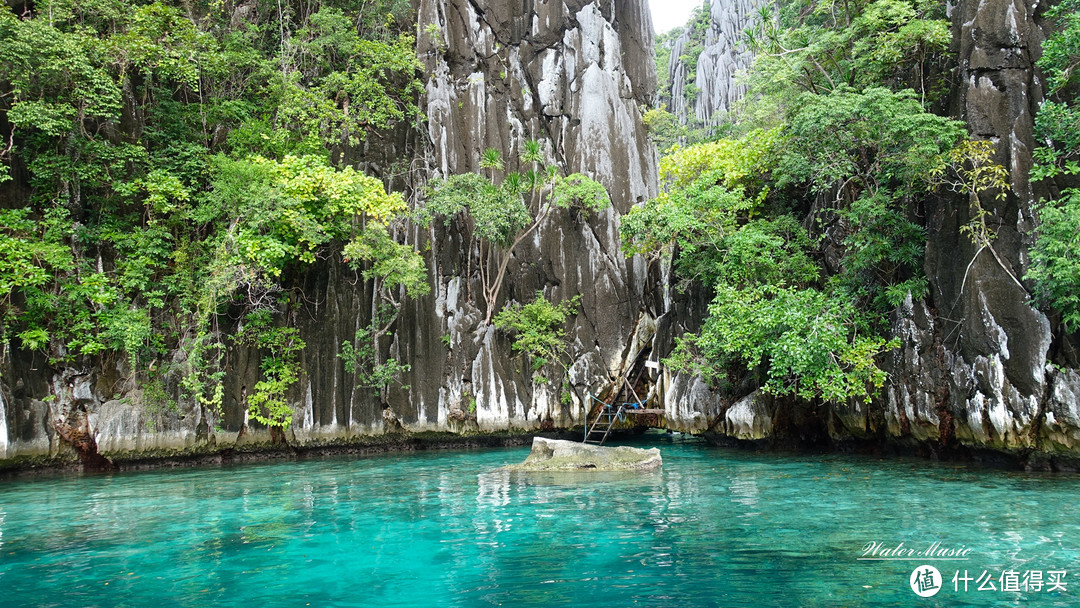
(129, 330)
(767, 316)
(203, 371)
(343, 84)
(865, 141)
(491, 159)
(539, 326)
(884, 254)
(34, 338)
(181, 159)
(160, 41)
(532, 152)
(800, 341)
(871, 150)
(499, 213)
(767, 252)
(1061, 51)
(286, 210)
(30, 254)
(1055, 269)
(360, 357)
(668, 131)
(663, 126)
(970, 170)
(58, 77)
(389, 261)
(1057, 125)
(819, 46)
(268, 401)
(739, 162)
(580, 192)
(566, 395)
(823, 162)
(435, 35)
(713, 189)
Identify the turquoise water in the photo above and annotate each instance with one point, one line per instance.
(714, 528)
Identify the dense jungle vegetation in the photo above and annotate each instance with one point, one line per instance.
(1056, 256)
(169, 165)
(168, 162)
(803, 217)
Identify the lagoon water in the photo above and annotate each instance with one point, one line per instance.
(715, 528)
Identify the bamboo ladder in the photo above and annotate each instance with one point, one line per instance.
(601, 426)
(605, 419)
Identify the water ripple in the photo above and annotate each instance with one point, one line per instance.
(714, 528)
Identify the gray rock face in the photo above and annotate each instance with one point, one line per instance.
(972, 371)
(570, 73)
(558, 455)
(719, 64)
(3, 426)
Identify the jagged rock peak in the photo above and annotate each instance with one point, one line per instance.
(569, 73)
(723, 56)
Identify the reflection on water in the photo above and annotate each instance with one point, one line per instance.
(713, 528)
(744, 491)
(493, 489)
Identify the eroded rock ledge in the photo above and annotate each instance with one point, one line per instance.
(204, 454)
(559, 455)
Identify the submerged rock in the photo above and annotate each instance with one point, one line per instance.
(558, 455)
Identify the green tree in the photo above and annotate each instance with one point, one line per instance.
(268, 401)
(397, 270)
(799, 222)
(539, 331)
(819, 46)
(177, 161)
(500, 217)
(800, 342)
(539, 328)
(1055, 269)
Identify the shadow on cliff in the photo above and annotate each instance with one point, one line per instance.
(74, 429)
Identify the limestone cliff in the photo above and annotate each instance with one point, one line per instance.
(975, 369)
(974, 372)
(714, 77)
(570, 73)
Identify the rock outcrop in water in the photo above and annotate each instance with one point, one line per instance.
(559, 455)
